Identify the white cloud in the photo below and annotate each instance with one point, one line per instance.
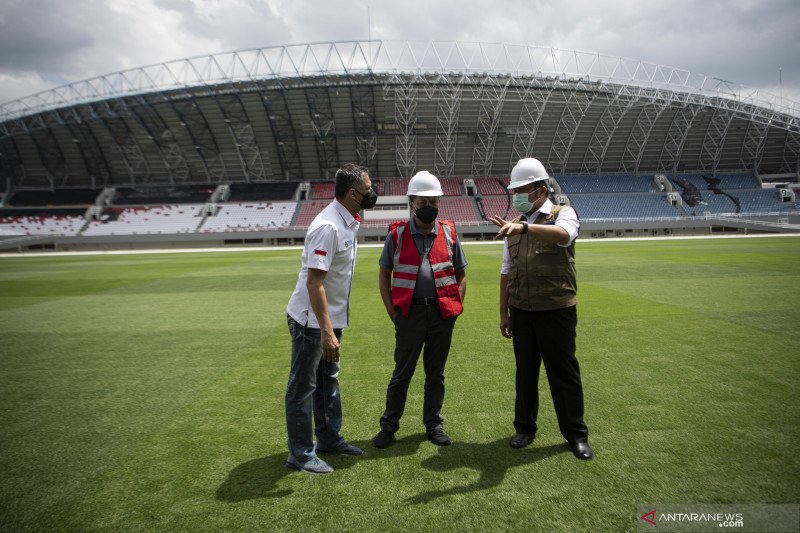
(745, 41)
(140, 32)
(22, 84)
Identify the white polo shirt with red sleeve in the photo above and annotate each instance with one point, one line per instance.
(330, 245)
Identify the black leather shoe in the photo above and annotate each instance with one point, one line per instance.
(383, 439)
(439, 437)
(521, 440)
(582, 450)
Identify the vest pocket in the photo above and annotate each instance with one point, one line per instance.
(553, 286)
(546, 248)
(551, 280)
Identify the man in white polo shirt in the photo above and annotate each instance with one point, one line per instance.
(317, 312)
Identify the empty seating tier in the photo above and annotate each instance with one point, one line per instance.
(451, 186)
(64, 222)
(250, 217)
(324, 190)
(147, 220)
(498, 206)
(399, 187)
(396, 187)
(308, 210)
(459, 210)
(492, 186)
(746, 202)
(606, 184)
(606, 197)
(379, 186)
(708, 182)
(622, 206)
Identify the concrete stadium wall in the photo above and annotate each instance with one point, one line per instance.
(590, 229)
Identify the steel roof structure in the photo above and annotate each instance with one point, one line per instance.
(467, 109)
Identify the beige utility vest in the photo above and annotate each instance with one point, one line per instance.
(542, 275)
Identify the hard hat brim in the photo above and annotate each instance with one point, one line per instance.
(528, 181)
(520, 183)
(427, 193)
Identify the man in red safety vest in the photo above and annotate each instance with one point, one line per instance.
(422, 283)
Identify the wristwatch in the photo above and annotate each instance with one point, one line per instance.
(524, 227)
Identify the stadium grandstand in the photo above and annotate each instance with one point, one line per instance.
(242, 147)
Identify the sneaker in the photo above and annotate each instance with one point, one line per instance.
(384, 439)
(344, 448)
(315, 465)
(439, 437)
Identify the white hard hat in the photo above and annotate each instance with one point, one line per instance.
(423, 183)
(526, 171)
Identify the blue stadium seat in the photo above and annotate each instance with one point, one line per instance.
(623, 206)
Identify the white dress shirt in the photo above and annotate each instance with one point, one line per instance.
(330, 245)
(567, 219)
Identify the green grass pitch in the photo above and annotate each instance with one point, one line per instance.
(145, 393)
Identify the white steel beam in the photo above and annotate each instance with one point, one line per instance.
(352, 58)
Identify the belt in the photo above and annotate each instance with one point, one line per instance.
(425, 301)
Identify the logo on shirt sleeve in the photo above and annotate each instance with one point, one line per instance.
(323, 253)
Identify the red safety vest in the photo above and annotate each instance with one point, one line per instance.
(406, 266)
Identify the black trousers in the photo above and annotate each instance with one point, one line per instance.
(548, 336)
(424, 327)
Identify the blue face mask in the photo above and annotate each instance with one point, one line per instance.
(521, 202)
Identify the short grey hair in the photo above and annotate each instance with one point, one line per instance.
(349, 177)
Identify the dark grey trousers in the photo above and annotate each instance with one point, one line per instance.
(424, 327)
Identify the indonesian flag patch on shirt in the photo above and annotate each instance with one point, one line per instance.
(321, 252)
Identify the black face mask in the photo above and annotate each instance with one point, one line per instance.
(368, 200)
(427, 214)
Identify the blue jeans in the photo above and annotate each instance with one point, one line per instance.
(313, 387)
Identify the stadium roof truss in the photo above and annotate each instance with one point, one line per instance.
(298, 112)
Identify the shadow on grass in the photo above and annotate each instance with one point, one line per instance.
(258, 478)
(492, 460)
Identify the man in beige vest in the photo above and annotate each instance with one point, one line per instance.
(537, 306)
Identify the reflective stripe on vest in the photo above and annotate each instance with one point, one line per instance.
(406, 263)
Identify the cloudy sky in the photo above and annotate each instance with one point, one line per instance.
(45, 43)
